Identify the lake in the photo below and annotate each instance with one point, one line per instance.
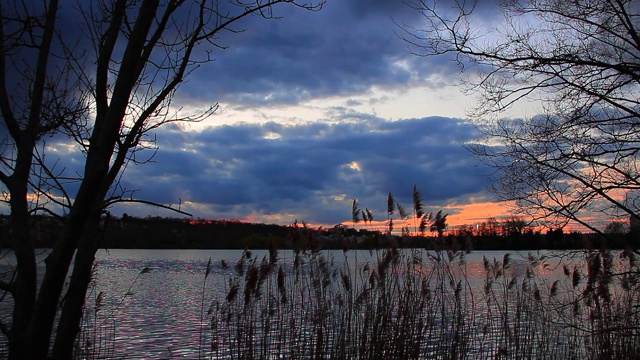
(154, 302)
(160, 316)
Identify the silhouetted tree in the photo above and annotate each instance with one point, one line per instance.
(489, 227)
(109, 89)
(580, 61)
(515, 225)
(616, 228)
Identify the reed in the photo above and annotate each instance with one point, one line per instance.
(408, 304)
(96, 339)
(416, 304)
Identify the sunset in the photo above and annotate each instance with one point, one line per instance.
(310, 119)
(319, 179)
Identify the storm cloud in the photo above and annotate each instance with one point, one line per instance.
(311, 171)
(312, 114)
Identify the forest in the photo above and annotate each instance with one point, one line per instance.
(154, 232)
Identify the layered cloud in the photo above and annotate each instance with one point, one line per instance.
(345, 49)
(278, 173)
(316, 109)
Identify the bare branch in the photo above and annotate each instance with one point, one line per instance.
(4, 328)
(109, 98)
(5, 286)
(112, 201)
(577, 159)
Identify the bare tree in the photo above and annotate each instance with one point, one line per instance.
(577, 160)
(616, 228)
(109, 97)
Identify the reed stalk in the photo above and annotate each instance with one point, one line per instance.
(416, 304)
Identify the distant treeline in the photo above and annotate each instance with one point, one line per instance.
(131, 232)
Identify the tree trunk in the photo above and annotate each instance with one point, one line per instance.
(59, 260)
(93, 188)
(57, 265)
(25, 285)
(24, 291)
(25, 136)
(74, 299)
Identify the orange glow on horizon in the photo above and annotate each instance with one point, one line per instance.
(476, 213)
(458, 215)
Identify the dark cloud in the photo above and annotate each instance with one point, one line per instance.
(271, 169)
(309, 171)
(346, 48)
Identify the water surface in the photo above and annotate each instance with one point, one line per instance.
(153, 303)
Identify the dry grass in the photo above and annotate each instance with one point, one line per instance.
(416, 304)
(411, 304)
(96, 339)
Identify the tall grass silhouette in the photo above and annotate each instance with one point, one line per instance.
(416, 304)
(96, 339)
(397, 303)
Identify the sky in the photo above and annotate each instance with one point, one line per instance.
(317, 109)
